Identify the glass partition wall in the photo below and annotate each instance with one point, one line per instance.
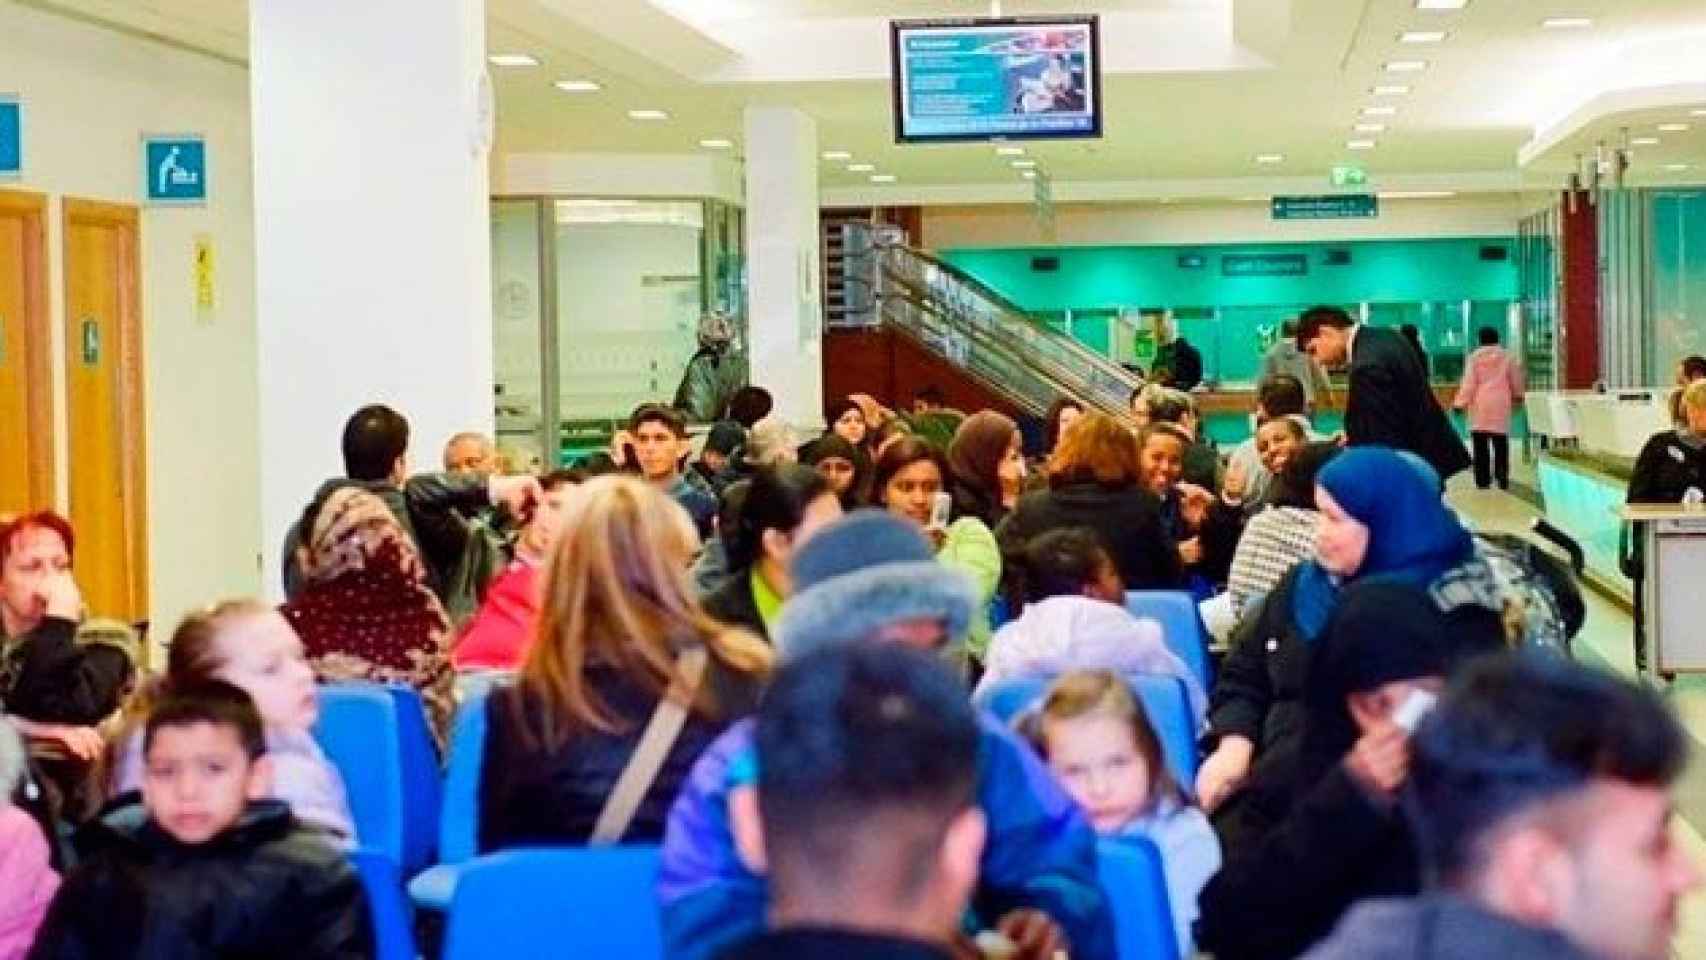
(596, 304)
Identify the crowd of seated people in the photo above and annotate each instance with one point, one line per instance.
(757, 655)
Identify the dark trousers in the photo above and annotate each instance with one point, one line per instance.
(1492, 459)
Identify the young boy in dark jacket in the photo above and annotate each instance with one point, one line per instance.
(202, 867)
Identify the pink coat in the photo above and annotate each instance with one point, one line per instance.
(1492, 385)
(27, 883)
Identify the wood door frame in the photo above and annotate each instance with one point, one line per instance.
(132, 415)
(39, 458)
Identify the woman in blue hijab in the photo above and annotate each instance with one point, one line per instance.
(1384, 527)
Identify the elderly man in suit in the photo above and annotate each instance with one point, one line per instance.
(1389, 402)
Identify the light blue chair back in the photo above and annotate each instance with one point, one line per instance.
(1136, 888)
(589, 901)
(1164, 701)
(1181, 627)
(393, 935)
(359, 731)
(459, 817)
(423, 784)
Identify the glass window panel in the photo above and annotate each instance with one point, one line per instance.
(517, 301)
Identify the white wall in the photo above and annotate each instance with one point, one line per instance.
(88, 94)
(1006, 225)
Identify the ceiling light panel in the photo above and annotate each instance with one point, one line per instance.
(1359, 144)
(1270, 158)
(861, 167)
(1566, 23)
(1405, 66)
(716, 143)
(837, 155)
(883, 178)
(648, 115)
(1009, 151)
(1422, 36)
(513, 60)
(1379, 111)
(1370, 128)
(1672, 127)
(1391, 90)
(1441, 4)
(578, 86)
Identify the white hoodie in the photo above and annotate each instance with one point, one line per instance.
(1060, 634)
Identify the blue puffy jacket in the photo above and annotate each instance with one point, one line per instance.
(1041, 853)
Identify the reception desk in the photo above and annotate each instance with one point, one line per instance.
(1590, 442)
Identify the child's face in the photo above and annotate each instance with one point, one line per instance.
(1096, 758)
(197, 780)
(264, 657)
(1163, 462)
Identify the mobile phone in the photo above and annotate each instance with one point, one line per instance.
(1418, 704)
(940, 506)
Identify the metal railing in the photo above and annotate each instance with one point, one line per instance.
(960, 319)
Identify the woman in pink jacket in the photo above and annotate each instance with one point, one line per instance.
(1492, 385)
(27, 882)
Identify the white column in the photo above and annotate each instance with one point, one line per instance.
(372, 244)
(785, 315)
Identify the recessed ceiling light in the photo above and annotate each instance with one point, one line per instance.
(861, 167)
(1270, 158)
(1359, 144)
(1644, 142)
(1390, 90)
(578, 86)
(1028, 174)
(716, 143)
(1441, 4)
(1415, 194)
(1370, 128)
(1009, 151)
(512, 60)
(647, 115)
(1697, 113)
(1405, 66)
(1672, 127)
(1168, 200)
(1421, 36)
(882, 178)
(1379, 111)
(1566, 23)
(1024, 164)
(1676, 167)
(837, 155)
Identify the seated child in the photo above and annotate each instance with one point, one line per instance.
(1096, 738)
(27, 880)
(1204, 525)
(252, 646)
(203, 867)
(1072, 616)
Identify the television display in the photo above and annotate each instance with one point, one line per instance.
(1019, 78)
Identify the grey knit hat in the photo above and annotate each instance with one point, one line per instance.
(863, 572)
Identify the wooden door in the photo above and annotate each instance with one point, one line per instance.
(26, 388)
(104, 391)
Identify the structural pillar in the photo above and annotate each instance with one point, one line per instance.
(785, 313)
(1578, 315)
(371, 125)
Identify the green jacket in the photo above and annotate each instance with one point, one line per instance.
(971, 549)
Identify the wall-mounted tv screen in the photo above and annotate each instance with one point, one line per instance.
(1019, 78)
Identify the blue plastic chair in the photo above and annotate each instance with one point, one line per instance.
(393, 936)
(1181, 627)
(459, 815)
(1164, 701)
(423, 785)
(1136, 887)
(359, 731)
(601, 901)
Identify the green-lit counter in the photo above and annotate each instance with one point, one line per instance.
(1582, 493)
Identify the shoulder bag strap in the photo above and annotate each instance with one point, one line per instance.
(659, 738)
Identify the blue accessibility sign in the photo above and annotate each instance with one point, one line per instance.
(11, 137)
(174, 169)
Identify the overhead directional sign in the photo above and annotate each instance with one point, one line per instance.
(1349, 176)
(1344, 206)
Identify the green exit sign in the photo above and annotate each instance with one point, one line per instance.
(1350, 177)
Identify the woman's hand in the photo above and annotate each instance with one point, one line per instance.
(61, 597)
(1380, 760)
(1194, 502)
(1190, 552)
(84, 743)
(1224, 771)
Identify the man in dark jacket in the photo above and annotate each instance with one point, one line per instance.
(713, 373)
(870, 828)
(1389, 402)
(201, 867)
(431, 508)
(1182, 361)
(1540, 799)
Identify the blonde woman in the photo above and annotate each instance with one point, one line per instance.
(618, 622)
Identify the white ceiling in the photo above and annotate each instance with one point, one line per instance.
(1193, 89)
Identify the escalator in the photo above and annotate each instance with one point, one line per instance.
(951, 315)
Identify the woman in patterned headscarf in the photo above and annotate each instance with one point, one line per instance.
(366, 612)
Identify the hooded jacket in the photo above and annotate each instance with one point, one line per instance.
(1040, 852)
(266, 887)
(1059, 634)
(1439, 926)
(1492, 384)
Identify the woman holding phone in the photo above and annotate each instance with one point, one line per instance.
(911, 481)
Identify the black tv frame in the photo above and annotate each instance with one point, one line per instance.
(1093, 20)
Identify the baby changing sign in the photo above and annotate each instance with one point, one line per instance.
(174, 169)
(11, 137)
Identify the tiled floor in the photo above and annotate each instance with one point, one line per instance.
(1605, 641)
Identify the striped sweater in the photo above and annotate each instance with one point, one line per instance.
(1273, 542)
